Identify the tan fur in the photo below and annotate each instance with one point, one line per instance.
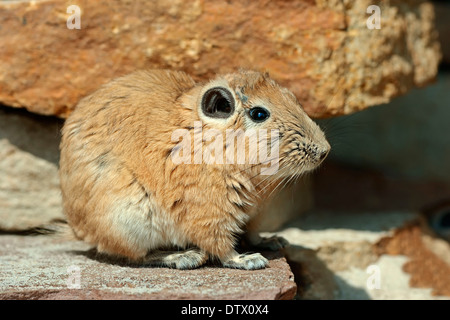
(123, 193)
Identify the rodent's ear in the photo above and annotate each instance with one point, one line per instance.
(218, 102)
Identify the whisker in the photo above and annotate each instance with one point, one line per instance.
(288, 181)
(265, 180)
(257, 164)
(269, 176)
(271, 182)
(282, 181)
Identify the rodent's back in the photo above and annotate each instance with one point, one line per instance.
(132, 108)
(110, 137)
(127, 118)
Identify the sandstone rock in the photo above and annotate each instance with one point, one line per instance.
(334, 254)
(425, 265)
(45, 267)
(29, 184)
(322, 50)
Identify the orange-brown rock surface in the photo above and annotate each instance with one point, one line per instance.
(322, 50)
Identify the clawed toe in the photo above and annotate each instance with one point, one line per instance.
(247, 262)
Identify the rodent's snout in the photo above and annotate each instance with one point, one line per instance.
(323, 155)
(324, 151)
(320, 152)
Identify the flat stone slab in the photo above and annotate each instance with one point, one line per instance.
(44, 267)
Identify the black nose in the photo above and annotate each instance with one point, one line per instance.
(323, 155)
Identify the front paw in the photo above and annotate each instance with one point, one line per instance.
(247, 262)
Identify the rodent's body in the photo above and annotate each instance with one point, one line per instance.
(123, 193)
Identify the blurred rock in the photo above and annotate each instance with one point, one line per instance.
(44, 267)
(407, 138)
(29, 183)
(375, 191)
(336, 255)
(428, 258)
(322, 50)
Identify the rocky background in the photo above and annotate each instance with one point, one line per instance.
(322, 50)
(372, 223)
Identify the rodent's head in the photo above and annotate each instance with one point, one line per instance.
(251, 101)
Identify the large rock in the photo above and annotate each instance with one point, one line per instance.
(322, 50)
(45, 267)
(408, 138)
(29, 184)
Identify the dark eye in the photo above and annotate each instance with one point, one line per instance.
(218, 103)
(258, 114)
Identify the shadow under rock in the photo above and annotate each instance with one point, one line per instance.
(315, 281)
(362, 221)
(32, 133)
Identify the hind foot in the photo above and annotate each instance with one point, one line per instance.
(273, 243)
(188, 259)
